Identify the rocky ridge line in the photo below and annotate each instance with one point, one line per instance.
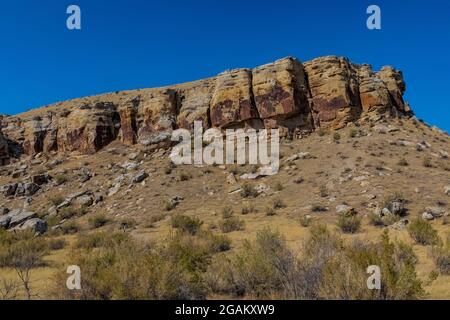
(328, 92)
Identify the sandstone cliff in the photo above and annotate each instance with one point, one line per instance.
(327, 92)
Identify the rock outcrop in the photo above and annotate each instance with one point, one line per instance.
(327, 92)
(334, 87)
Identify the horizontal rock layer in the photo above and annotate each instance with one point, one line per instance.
(327, 92)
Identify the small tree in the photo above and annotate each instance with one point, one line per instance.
(24, 252)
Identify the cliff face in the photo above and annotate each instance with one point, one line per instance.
(327, 92)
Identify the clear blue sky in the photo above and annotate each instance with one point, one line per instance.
(129, 44)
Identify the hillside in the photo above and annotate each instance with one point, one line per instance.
(350, 147)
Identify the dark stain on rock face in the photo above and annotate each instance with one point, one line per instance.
(217, 112)
(327, 109)
(266, 103)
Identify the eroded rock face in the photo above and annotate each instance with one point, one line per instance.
(281, 95)
(88, 128)
(334, 87)
(156, 116)
(396, 86)
(4, 150)
(194, 100)
(232, 100)
(128, 121)
(374, 93)
(327, 92)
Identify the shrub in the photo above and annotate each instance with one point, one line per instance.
(376, 220)
(126, 269)
(248, 209)
(441, 256)
(184, 177)
(98, 221)
(248, 191)
(67, 213)
(323, 191)
(127, 223)
(402, 162)
(349, 224)
(56, 200)
(57, 244)
(270, 211)
(100, 240)
(318, 208)
(353, 133)
(60, 179)
(336, 136)
(326, 269)
(278, 186)
(186, 224)
(70, 227)
(427, 162)
(170, 205)
(278, 204)
(422, 232)
(321, 132)
(305, 221)
(227, 212)
(22, 252)
(231, 224)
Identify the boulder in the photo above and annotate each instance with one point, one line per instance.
(396, 207)
(345, 210)
(19, 216)
(399, 225)
(4, 221)
(27, 189)
(141, 176)
(9, 190)
(84, 201)
(40, 179)
(37, 225)
(447, 190)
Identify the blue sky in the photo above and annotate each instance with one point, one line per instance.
(141, 43)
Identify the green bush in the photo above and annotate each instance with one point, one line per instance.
(231, 224)
(327, 268)
(57, 244)
(278, 204)
(70, 227)
(127, 223)
(305, 221)
(60, 179)
(67, 213)
(441, 256)
(402, 162)
(349, 224)
(422, 232)
(227, 212)
(56, 200)
(98, 221)
(186, 223)
(248, 209)
(336, 136)
(130, 270)
(248, 191)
